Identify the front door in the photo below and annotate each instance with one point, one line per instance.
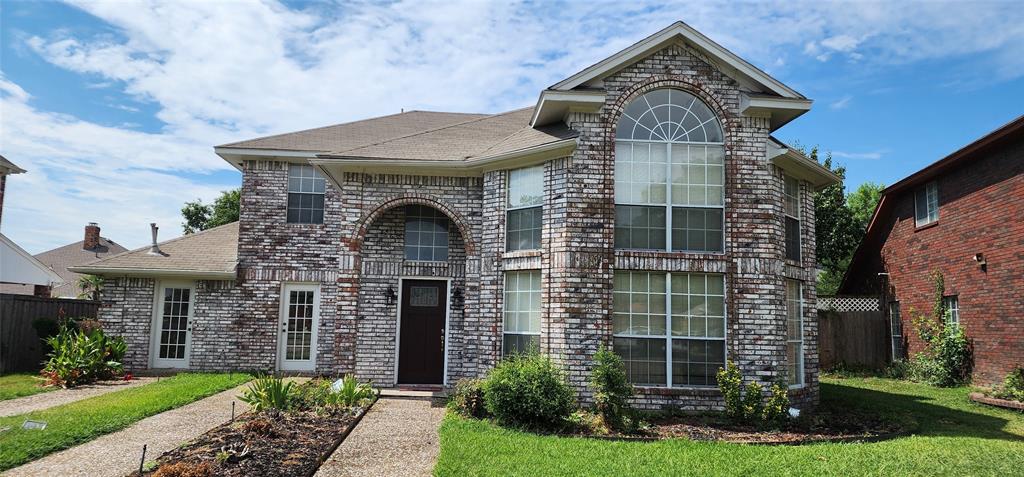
(300, 317)
(422, 332)
(173, 341)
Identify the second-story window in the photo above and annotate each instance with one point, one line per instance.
(525, 196)
(791, 207)
(926, 204)
(426, 234)
(669, 175)
(305, 195)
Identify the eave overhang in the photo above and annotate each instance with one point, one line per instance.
(154, 272)
(236, 155)
(800, 166)
(779, 110)
(553, 106)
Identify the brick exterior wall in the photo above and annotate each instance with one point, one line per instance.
(980, 207)
(357, 254)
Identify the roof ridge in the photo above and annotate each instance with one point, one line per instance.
(341, 124)
(418, 133)
(175, 239)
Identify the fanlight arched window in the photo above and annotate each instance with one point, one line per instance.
(669, 174)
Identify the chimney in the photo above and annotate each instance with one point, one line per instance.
(154, 249)
(92, 236)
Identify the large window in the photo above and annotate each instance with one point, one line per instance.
(426, 234)
(952, 306)
(522, 312)
(669, 328)
(896, 329)
(669, 175)
(791, 207)
(926, 204)
(795, 332)
(305, 195)
(525, 196)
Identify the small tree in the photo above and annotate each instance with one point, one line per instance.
(91, 285)
(225, 209)
(612, 390)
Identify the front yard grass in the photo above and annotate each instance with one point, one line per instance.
(19, 385)
(81, 421)
(953, 437)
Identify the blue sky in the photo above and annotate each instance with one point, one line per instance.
(113, 107)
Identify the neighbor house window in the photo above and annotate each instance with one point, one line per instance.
(926, 204)
(669, 328)
(669, 175)
(525, 196)
(896, 328)
(522, 312)
(426, 234)
(795, 332)
(305, 195)
(791, 207)
(952, 306)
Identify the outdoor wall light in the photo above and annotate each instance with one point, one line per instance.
(390, 295)
(980, 258)
(457, 299)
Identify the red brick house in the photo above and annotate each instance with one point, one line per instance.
(962, 216)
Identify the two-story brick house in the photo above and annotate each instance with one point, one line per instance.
(960, 216)
(641, 204)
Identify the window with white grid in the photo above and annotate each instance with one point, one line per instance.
(426, 234)
(952, 306)
(926, 204)
(522, 312)
(795, 332)
(791, 207)
(524, 215)
(305, 195)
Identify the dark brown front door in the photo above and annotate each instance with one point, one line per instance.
(421, 338)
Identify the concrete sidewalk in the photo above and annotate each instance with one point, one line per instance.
(396, 437)
(38, 402)
(117, 454)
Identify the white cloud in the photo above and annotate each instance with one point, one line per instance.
(841, 103)
(223, 71)
(869, 156)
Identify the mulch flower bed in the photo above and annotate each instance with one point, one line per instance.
(261, 444)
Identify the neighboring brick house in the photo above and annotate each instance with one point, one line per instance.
(641, 204)
(961, 216)
(91, 248)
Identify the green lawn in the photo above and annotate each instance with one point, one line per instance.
(953, 437)
(18, 385)
(81, 421)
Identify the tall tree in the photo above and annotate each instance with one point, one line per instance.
(224, 210)
(835, 228)
(862, 203)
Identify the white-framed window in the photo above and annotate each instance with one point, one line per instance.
(525, 210)
(522, 312)
(791, 208)
(952, 305)
(795, 332)
(669, 175)
(305, 195)
(669, 328)
(896, 328)
(926, 204)
(426, 234)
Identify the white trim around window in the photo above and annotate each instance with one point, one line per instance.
(926, 204)
(794, 333)
(521, 310)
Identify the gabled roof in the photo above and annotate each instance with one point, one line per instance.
(21, 267)
(732, 64)
(8, 167)
(70, 255)
(210, 254)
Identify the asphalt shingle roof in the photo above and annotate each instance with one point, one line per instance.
(214, 251)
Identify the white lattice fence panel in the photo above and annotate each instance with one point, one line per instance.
(848, 303)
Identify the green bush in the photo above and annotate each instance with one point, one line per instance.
(730, 382)
(748, 406)
(777, 407)
(320, 394)
(612, 391)
(529, 391)
(348, 393)
(270, 393)
(1013, 386)
(467, 398)
(82, 356)
(946, 360)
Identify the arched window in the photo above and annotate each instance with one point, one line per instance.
(669, 174)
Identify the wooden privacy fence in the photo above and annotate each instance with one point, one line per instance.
(854, 332)
(21, 348)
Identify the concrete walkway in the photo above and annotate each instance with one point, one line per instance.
(38, 402)
(117, 454)
(397, 437)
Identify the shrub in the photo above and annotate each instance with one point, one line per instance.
(82, 356)
(185, 469)
(530, 391)
(730, 382)
(467, 398)
(348, 393)
(270, 392)
(748, 405)
(612, 391)
(946, 360)
(777, 407)
(1013, 386)
(753, 407)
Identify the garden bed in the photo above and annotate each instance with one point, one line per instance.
(992, 401)
(265, 444)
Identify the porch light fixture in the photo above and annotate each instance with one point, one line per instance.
(389, 294)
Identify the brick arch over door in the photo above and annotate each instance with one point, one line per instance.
(364, 223)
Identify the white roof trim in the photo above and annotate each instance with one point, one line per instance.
(32, 261)
(151, 272)
(800, 166)
(693, 37)
(234, 155)
(553, 105)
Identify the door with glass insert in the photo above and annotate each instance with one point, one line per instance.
(172, 346)
(300, 316)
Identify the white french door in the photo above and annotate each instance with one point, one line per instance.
(172, 344)
(300, 317)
